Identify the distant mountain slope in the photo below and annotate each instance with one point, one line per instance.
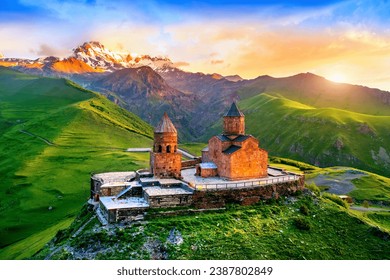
(321, 93)
(320, 136)
(53, 134)
(144, 92)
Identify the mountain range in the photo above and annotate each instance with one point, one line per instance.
(305, 116)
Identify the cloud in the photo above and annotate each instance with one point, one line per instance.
(219, 61)
(46, 50)
(181, 64)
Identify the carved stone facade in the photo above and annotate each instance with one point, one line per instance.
(236, 155)
(165, 160)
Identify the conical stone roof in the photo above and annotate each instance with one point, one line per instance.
(165, 125)
(234, 111)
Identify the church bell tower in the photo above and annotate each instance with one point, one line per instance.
(234, 121)
(165, 160)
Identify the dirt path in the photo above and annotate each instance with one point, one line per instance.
(139, 150)
(370, 209)
(337, 183)
(37, 136)
(48, 257)
(146, 150)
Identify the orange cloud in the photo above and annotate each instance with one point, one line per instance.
(181, 64)
(251, 49)
(219, 61)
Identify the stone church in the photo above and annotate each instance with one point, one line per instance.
(233, 155)
(172, 182)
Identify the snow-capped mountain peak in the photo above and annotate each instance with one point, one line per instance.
(99, 57)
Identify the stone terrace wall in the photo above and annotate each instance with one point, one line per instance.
(111, 191)
(247, 196)
(169, 200)
(190, 163)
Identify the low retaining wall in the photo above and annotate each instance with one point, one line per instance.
(169, 200)
(122, 215)
(245, 196)
(190, 163)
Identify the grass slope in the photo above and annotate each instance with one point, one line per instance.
(324, 137)
(318, 92)
(300, 228)
(53, 134)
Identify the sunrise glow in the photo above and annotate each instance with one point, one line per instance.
(338, 78)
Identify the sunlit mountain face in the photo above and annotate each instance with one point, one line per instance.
(90, 57)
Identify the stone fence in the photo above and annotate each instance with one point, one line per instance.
(246, 194)
(191, 163)
(246, 184)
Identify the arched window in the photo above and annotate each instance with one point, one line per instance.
(159, 148)
(175, 150)
(168, 148)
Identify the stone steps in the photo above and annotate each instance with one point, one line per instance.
(101, 217)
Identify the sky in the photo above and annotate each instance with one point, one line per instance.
(344, 41)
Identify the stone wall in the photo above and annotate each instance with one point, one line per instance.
(215, 155)
(165, 165)
(206, 172)
(111, 190)
(190, 163)
(234, 125)
(122, 215)
(128, 215)
(248, 162)
(169, 200)
(95, 188)
(205, 156)
(247, 196)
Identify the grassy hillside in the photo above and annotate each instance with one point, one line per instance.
(53, 134)
(303, 227)
(324, 137)
(319, 92)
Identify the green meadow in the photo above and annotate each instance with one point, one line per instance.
(53, 135)
(303, 227)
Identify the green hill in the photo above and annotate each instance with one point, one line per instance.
(319, 92)
(313, 225)
(304, 227)
(320, 136)
(53, 134)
